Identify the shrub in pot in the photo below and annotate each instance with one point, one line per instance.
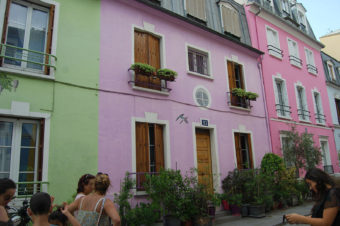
(166, 74)
(144, 69)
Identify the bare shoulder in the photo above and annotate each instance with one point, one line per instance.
(3, 214)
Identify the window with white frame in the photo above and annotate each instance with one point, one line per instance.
(285, 6)
(294, 56)
(230, 19)
(284, 147)
(331, 70)
(302, 21)
(198, 61)
(319, 116)
(196, 8)
(302, 110)
(21, 153)
(281, 98)
(326, 159)
(273, 42)
(27, 37)
(310, 62)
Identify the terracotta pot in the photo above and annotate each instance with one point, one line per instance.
(225, 205)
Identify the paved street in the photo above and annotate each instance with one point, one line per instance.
(272, 218)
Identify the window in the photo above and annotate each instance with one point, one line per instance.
(337, 104)
(198, 62)
(326, 159)
(230, 20)
(236, 80)
(302, 21)
(303, 112)
(149, 150)
(27, 37)
(196, 8)
(331, 71)
(282, 106)
(243, 149)
(285, 6)
(273, 43)
(21, 152)
(147, 50)
(202, 97)
(294, 57)
(310, 62)
(319, 116)
(284, 146)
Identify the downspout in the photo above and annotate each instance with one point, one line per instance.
(260, 67)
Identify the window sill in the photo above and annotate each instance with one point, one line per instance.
(284, 117)
(321, 124)
(210, 77)
(297, 65)
(275, 55)
(27, 73)
(150, 90)
(312, 72)
(305, 121)
(139, 193)
(239, 108)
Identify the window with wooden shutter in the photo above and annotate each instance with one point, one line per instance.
(198, 61)
(149, 151)
(243, 148)
(147, 50)
(236, 80)
(230, 20)
(196, 8)
(27, 37)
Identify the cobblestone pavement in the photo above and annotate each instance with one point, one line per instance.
(272, 218)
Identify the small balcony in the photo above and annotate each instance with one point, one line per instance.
(27, 189)
(312, 69)
(303, 114)
(320, 118)
(25, 59)
(140, 178)
(328, 169)
(283, 110)
(295, 61)
(237, 101)
(274, 51)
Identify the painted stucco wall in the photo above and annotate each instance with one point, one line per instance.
(120, 104)
(273, 66)
(331, 43)
(332, 93)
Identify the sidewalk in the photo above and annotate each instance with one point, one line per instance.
(271, 218)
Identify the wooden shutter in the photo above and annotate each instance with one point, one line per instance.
(238, 150)
(231, 76)
(196, 8)
(141, 56)
(250, 152)
(142, 152)
(154, 60)
(159, 147)
(49, 38)
(4, 28)
(231, 21)
(236, 24)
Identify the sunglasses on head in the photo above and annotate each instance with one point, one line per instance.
(100, 173)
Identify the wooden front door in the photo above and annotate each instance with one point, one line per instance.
(203, 150)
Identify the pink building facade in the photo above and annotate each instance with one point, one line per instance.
(189, 123)
(296, 92)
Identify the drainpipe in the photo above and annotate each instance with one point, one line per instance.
(260, 67)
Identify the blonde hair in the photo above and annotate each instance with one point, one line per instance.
(102, 183)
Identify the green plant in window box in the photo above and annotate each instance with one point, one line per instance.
(251, 95)
(144, 69)
(238, 92)
(166, 74)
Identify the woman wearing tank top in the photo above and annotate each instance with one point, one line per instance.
(94, 209)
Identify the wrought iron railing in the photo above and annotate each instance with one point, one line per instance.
(140, 178)
(328, 169)
(275, 50)
(163, 86)
(320, 118)
(14, 55)
(295, 60)
(283, 110)
(237, 101)
(27, 189)
(303, 114)
(312, 69)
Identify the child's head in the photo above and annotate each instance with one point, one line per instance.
(57, 218)
(40, 204)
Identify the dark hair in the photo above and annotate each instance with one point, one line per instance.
(5, 184)
(321, 179)
(58, 215)
(102, 183)
(84, 180)
(40, 203)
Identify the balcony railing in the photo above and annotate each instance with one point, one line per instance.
(320, 118)
(328, 169)
(295, 61)
(27, 189)
(283, 110)
(273, 50)
(303, 114)
(26, 58)
(237, 101)
(140, 178)
(312, 69)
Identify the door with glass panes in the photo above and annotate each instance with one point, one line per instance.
(20, 157)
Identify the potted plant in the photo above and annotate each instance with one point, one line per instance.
(143, 69)
(238, 92)
(251, 96)
(166, 74)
